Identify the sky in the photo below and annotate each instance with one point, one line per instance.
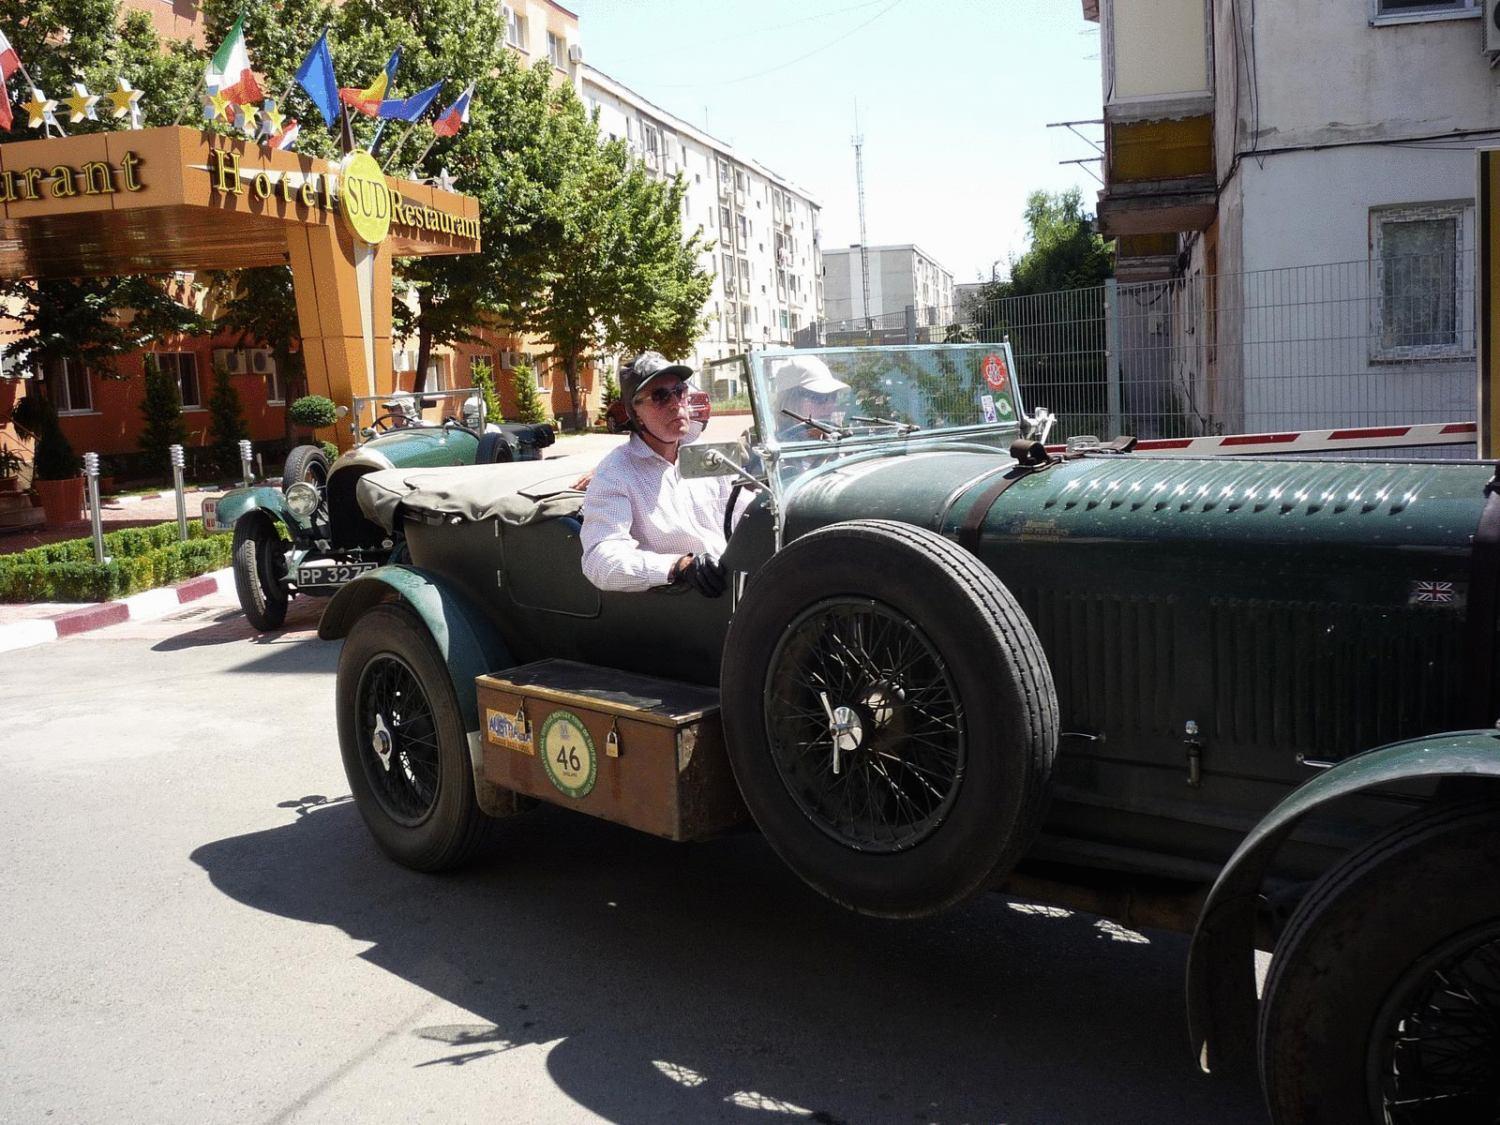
(953, 102)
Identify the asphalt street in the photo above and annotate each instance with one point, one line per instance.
(198, 928)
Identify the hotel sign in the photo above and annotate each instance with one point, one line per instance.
(64, 181)
(359, 192)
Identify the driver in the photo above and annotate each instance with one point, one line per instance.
(643, 524)
(805, 386)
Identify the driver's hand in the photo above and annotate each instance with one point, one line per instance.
(701, 571)
(582, 483)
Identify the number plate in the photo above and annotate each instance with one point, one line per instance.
(211, 516)
(331, 574)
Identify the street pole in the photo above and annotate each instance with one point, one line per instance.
(177, 466)
(96, 518)
(245, 457)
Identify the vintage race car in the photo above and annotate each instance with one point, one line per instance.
(1253, 700)
(307, 536)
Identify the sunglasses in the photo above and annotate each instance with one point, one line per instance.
(661, 396)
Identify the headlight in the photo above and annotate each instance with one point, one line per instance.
(302, 499)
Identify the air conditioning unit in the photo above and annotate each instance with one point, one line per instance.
(261, 361)
(1492, 27)
(509, 358)
(575, 54)
(230, 359)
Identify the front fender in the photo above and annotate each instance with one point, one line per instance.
(1221, 963)
(266, 498)
(469, 644)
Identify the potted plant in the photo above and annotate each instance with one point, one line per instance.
(10, 470)
(55, 467)
(312, 412)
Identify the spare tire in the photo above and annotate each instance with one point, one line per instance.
(890, 717)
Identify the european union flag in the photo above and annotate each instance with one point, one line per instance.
(409, 109)
(315, 75)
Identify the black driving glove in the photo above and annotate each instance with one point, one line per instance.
(704, 573)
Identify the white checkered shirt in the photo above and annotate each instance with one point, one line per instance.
(640, 517)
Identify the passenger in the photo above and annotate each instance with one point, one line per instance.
(643, 524)
(805, 386)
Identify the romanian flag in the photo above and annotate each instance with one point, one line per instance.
(229, 70)
(368, 100)
(456, 116)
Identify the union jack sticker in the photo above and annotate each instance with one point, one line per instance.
(1434, 593)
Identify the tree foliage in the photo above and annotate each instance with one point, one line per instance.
(161, 408)
(483, 377)
(226, 422)
(529, 405)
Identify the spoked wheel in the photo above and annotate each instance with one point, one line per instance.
(889, 715)
(1382, 1005)
(397, 739)
(865, 724)
(1436, 1058)
(402, 737)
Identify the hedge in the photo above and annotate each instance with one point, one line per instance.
(140, 558)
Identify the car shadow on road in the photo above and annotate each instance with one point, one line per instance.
(228, 626)
(704, 982)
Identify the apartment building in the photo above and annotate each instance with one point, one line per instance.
(1303, 188)
(761, 228)
(901, 277)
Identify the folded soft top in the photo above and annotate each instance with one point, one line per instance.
(518, 492)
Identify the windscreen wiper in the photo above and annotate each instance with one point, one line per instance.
(821, 427)
(904, 427)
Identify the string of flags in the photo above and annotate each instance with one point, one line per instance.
(231, 92)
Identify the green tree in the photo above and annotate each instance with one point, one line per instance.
(226, 422)
(94, 320)
(259, 305)
(529, 406)
(161, 407)
(1063, 251)
(483, 377)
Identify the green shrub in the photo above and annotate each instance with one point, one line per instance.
(226, 424)
(313, 412)
(330, 451)
(529, 406)
(141, 558)
(161, 407)
(54, 458)
(482, 375)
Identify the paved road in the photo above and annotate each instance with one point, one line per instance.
(197, 928)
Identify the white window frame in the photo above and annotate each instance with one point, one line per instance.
(1461, 210)
(197, 403)
(557, 51)
(64, 383)
(515, 31)
(1441, 10)
(275, 392)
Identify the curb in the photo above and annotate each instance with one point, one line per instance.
(145, 606)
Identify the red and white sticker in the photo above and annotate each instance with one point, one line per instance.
(993, 369)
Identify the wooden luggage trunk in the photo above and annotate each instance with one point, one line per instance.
(639, 751)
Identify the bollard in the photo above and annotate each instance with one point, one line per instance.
(96, 518)
(178, 463)
(245, 456)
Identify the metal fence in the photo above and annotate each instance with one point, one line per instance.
(1365, 343)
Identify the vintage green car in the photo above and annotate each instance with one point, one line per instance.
(307, 536)
(1254, 700)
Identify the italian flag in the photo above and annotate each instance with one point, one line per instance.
(229, 70)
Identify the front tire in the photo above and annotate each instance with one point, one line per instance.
(305, 463)
(1383, 1000)
(260, 572)
(890, 717)
(403, 743)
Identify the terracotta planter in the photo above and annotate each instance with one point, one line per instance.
(62, 500)
(10, 484)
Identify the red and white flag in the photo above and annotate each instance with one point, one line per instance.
(10, 62)
(287, 136)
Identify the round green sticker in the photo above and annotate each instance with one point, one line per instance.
(567, 752)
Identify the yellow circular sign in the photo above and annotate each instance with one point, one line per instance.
(364, 197)
(567, 752)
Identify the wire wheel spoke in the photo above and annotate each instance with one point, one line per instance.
(398, 739)
(864, 724)
(1438, 1060)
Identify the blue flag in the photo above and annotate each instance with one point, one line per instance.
(409, 109)
(315, 75)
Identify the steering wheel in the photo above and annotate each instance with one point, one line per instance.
(387, 422)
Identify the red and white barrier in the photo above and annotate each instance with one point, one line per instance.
(1312, 441)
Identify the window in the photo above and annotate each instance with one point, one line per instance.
(275, 392)
(480, 359)
(724, 218)
(1422, 310)
(743, 228)
(68, 386)
(543, 370)
(745, 315)
(745, 275)
(556, 51)
(183, 366)
(1402, 11)
(515, 30)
